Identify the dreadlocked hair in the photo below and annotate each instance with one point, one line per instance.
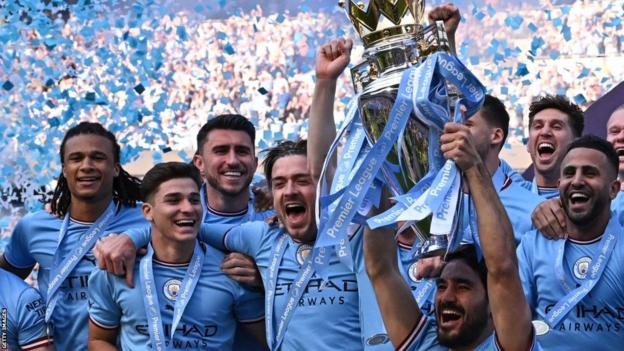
(126, 188)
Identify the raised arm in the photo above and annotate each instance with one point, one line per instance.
(448, 13)
(398, 307)
(331, 60)
(510, 311)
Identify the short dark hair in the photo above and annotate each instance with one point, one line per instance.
(165, 171)
(468, 254)
(282, 149)
(228, 122)
(590, 141)
(495, 115)
(125, 186)
(563, 104)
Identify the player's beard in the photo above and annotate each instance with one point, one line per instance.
(471, 329)
(586, 218)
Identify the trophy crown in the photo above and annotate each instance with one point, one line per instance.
(384, 19)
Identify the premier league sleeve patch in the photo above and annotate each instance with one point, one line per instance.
(377, 339)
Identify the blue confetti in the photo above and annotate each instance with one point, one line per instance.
(514, 21)
(157, 157)
(262, 91)
(557, 22)
(183, 156)
(54, 122)
(567, 34)
(7, 85)
(228, 49)
(584, 73)
(536, 43)
(532, 27)
(181, 32)
(580, 99)
(139, 89)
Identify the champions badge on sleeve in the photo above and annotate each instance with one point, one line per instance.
(408, 86)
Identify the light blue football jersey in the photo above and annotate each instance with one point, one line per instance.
(518, 202)
(35, 239)
(597, 321)
(22, 312)
(209, 320)
(544, 192)
(331, 311)
(243, 341)
(617, 205)
(249, 214)
(360, 325)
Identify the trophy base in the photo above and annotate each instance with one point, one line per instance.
(436, 245)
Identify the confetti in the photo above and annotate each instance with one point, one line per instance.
(7, 85)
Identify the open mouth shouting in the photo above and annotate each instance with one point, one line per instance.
(620, 152)
(450, 317)
(545, 151)
(295, 213)
(578, 199)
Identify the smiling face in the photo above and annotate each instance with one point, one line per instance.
(227, 161)
(294, 192)
(615, 135)
(174, 210)
(462, 309)
(550, 134)
(89, 167)
(587, 185)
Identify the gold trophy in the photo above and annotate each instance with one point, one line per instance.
(395, 40)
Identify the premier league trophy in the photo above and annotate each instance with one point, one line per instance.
(394, 41)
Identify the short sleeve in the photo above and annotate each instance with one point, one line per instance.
(525, 269)
(214, 234)
(140, 236)
(249, 306)
(17, 252)
(422, 337)
(103, 310)
(31, 326)
(246, 238)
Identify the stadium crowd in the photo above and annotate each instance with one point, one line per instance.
(538, 266)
